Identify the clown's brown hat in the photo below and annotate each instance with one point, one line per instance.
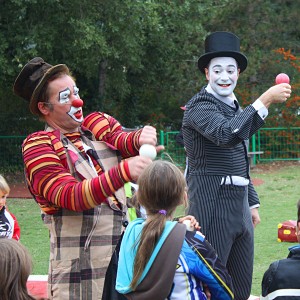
(32, 78)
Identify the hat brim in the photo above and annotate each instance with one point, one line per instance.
(204, 60)
(36, 93)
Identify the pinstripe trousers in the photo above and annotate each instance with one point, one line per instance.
(215, 137)
(225, 219)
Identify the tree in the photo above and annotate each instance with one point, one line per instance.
(263, 26)
(131, 58)
(137, 59)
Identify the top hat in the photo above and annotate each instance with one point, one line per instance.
(32, 78)
(222, 44)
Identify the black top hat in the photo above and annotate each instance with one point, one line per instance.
(32, 78)
(222, 44)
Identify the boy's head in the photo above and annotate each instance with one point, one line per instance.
(298, 221)
(4, 191)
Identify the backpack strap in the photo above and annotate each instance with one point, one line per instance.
(158, 282)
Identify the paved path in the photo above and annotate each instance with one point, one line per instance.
(37, 286)
(19, 190)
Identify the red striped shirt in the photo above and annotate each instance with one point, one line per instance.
(49, 177)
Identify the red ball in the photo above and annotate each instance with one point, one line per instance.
(282, 78)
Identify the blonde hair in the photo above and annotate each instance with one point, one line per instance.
(4, 187)
(15, 266)
(161, 187)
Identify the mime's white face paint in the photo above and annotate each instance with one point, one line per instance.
(222, 74)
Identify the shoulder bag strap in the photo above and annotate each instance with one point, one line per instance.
(158, 282)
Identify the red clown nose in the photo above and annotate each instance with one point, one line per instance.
(77, 103)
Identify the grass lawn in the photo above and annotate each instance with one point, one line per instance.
(278, 195)
(34, 235)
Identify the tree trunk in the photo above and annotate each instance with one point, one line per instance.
(102, 77)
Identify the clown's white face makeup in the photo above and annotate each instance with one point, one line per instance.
(75, 111)
(64, 96)
(66, 113)
(76, 114)
(222, 74)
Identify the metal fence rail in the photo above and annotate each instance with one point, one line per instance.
(173, 151)
(278, 143)
(274, 143)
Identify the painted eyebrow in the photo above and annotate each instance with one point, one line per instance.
(65, 90)
(219, 66)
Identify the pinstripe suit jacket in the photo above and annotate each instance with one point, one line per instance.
(216, 141)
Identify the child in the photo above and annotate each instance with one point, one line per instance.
(281, 280)
(9, 227)
(15, 266)
(199, 273)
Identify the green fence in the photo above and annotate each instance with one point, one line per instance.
(173, 151)
(11, 153)
(277, 143)
(274, 143)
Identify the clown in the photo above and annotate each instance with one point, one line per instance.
(76, 175)
(216, 133)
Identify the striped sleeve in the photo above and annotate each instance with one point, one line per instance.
(217, 122)
(206, 266)
(107, 129)
(52, 184)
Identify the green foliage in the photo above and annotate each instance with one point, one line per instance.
(263, 27)
(137, 59)
(124, 54)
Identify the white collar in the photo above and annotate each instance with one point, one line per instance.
(227, 100)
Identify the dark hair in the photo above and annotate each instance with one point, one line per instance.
(161, 187)
(15, 266)
(44, 93)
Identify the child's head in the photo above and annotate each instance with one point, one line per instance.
(162, 186)
(4, 191)
(15, 266)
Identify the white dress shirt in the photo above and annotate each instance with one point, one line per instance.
(257, 104)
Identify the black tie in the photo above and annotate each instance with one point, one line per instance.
(237, 106)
